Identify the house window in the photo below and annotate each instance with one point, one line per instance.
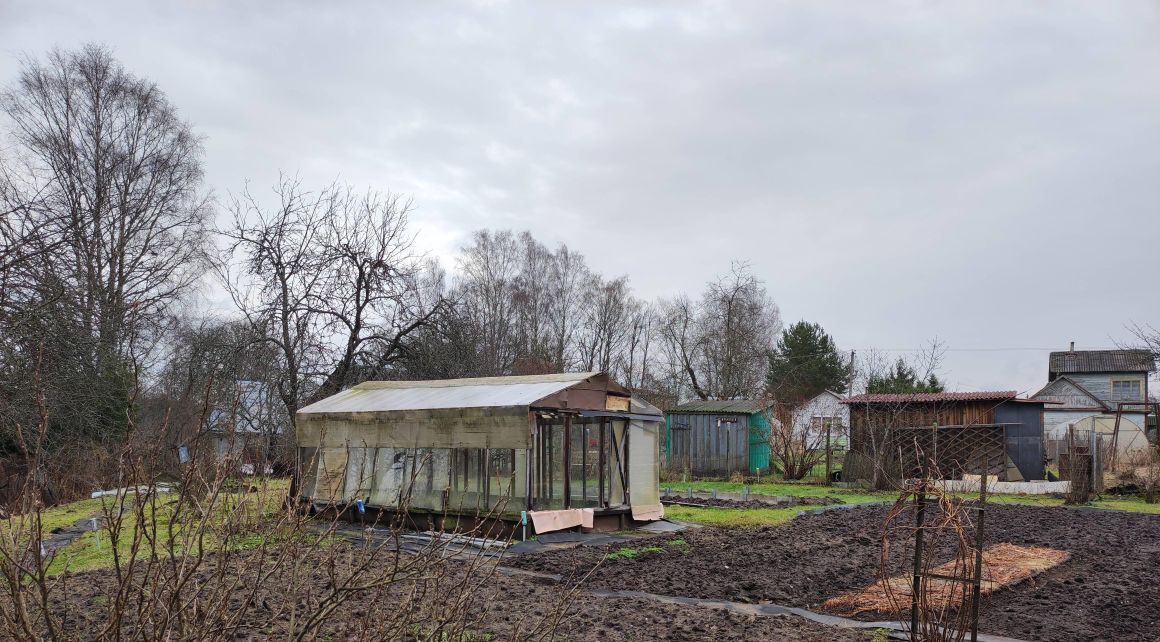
(819, 422)
(1126, 390)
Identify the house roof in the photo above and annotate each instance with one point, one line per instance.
(1079, 361)
(722, 406)
(933, 397)
(1046, 391)
(483, 392)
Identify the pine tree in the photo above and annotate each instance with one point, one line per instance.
(804, 363)
(903, 379)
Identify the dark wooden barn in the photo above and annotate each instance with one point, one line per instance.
(717, 438)
(957, 430)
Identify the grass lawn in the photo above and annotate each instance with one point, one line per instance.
(788, 489)
(93, 550)
(734, 517)
(714, 516)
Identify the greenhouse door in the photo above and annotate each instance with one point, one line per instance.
(579, 463)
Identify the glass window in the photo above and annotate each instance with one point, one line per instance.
(1126, 390)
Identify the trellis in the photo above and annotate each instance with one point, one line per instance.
(955, 450)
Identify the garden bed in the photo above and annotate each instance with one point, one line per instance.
(1104, 590)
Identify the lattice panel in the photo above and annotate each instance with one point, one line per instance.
(956, 450)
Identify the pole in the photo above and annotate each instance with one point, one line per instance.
(829, 454)
(1095, 477)
(916, 584)
(977, 585)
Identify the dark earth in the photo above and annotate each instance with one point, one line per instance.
(503, 608)
(1107, 590)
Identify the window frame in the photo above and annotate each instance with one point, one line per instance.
(1137, 394)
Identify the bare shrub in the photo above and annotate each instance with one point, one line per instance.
(214, 557)
(939, 525)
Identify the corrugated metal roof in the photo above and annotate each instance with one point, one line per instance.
(723, 406)
(640, 406)
(1101, 361)
(483, 392)
(922, 397)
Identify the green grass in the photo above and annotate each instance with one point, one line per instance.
(788, 489)
(94, 550)
(1129, 504)
(67, 514)
(623, 553)
(731, 517)
(735, 517)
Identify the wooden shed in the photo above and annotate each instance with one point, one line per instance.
(573, 449)
(718, 437)
(957, 430)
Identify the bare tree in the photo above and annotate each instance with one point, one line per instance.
(103, 232)
(487, 292)
(116, 174)
(330, 279)
(274, 271)
(608, 307)
(638, 356)
(721, 344)
(533, 298)
(797, 443)
(681, 338)
(568, 277)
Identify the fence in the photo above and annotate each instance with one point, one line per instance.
(1082, 457)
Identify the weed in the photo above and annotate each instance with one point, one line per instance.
(623, 553)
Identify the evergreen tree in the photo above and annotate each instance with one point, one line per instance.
(902, 379)
(804, 363)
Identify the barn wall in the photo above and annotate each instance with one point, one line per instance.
(1024, 436)
(759, 450)
(709, 444)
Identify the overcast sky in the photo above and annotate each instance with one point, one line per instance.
(988, 173)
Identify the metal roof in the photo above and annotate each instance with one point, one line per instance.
(925, 397)
(722, 406)
(1101, 361)
(482, 392)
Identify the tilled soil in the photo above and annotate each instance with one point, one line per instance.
(598, 619)
(1105, 591)
(499, 607)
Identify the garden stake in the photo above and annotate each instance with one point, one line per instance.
(978, 584)
(916, 584)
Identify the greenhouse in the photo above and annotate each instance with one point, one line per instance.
(567, 450)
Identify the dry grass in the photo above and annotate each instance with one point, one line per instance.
(1003, 565)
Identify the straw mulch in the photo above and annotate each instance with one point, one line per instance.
(1003, 565)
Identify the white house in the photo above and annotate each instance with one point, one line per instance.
(826, 410)
(1087, 388)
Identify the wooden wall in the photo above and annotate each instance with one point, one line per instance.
(711, 445)
(957, 413)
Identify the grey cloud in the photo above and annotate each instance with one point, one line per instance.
(983, 173)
